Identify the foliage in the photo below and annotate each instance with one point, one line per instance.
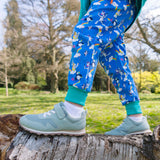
(63, 79)
(101, 81)
(15, 55)
(37, 33)
(142, 61)
(26, 86)
(41, 80)
(157, 90)
(13, 24)
(49, 25)
(104, 110)
(150, 81)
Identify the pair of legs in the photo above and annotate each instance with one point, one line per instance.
(98, 37)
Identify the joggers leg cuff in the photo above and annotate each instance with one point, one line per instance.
(76, 95)
(133, 108)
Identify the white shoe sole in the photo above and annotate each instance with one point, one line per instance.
(69, 133)
(148, 131)
(141, 132)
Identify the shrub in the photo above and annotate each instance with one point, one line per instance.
(26, 86)
(149, 80)
(41, 80)
(22, 85)
(34, 87)
(146, 92)
(157, 90)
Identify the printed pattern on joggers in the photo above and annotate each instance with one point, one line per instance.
(98, 36)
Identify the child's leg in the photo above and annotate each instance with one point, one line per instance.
(101, 30)
(102, 25)
(115, 63)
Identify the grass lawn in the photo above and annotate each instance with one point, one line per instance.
(104, 110)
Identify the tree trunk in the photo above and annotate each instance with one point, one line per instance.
(115, 90)
(54, 81)
(109, 84)
(27, 146)
(140, 83)
(140, 71)
(6, 81)
(6, 74)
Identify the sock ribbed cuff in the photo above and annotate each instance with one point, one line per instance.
(76, 95)
(133, 108)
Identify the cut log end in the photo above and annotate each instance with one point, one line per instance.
(8, 129)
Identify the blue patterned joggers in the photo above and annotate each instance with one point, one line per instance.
(98, 36)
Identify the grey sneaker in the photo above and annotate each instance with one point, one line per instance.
(54, 122)
(129, 127)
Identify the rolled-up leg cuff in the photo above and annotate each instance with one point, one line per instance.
(133, 108)
(76, 95)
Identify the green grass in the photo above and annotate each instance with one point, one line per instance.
(104, 110)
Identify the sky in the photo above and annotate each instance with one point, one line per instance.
(151, 8)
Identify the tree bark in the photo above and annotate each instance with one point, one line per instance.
(140, 71)
(146, 39)
(27, 146)
(8, 130)
(6, 74)
(54, 81)
(109, 84)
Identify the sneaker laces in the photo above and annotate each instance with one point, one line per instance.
(48, 113)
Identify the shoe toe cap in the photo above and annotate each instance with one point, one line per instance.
(25, 120)
(110, 133)
(114, 132)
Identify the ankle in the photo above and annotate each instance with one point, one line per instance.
(76, 95)
(77, 105)
(136, 115)
(74, 111)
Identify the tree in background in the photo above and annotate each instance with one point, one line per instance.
(4, 69)
(150, 32)
(102, 81)
(9, 60)
(150, 82)
(13, 25)
(140, 62)
(48, 26)
(147, 32)
(145, 37)
(38, 44)
(15, 43)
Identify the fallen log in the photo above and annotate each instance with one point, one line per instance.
(27, 146)
(8, 129)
